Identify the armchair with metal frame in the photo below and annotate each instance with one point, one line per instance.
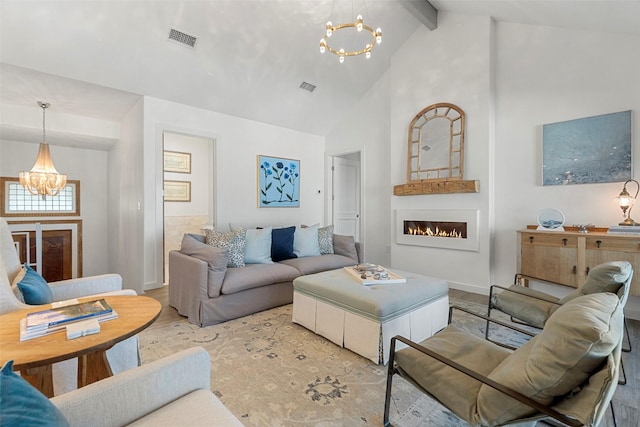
(533, 308)
(483, 383)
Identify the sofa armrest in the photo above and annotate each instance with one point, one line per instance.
(125, 397)
(188, 282)
(85, 286)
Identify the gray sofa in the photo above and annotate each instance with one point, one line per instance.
(204, 289)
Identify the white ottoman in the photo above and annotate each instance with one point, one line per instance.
(364, 318)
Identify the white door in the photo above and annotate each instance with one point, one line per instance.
(346, 196)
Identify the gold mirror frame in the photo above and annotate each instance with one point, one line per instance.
(435, 153)
(436, 144)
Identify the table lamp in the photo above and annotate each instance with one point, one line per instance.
(625, 201)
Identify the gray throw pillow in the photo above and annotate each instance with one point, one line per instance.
(216, 259)
(346, 246)
(233, 242)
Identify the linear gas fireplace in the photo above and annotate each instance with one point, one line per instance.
(440, 228)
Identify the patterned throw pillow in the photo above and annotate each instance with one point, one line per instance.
(325, 238)
(233, 242)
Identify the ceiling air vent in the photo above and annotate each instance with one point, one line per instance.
(307, 86)
(183, 38)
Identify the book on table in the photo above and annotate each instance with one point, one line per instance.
(56, 319)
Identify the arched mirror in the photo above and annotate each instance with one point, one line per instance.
(436, 144)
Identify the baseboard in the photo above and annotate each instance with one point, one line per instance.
(474, 289)
(632, 313)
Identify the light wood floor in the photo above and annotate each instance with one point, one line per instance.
(626, 399)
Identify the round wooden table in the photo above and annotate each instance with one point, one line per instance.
(33, 358)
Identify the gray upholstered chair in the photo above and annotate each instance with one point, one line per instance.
(533, 308)
(567, 372)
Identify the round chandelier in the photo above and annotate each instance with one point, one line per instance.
(43, 178)
(359, 26)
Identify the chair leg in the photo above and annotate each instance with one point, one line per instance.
(622, 381)
(613, 414)
(626, 332)
(390, 372)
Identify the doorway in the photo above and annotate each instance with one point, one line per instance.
(345, 194)
(189, 190)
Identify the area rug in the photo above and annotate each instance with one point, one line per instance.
(271, 372)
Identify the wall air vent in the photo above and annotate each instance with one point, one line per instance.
(183, 38)
(307, 86)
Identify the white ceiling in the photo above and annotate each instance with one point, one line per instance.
(94, 57)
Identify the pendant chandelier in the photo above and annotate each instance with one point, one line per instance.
(359, 26)
(43, 178)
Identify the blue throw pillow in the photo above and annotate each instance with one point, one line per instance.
(282, 243)
(21, 405)
(305, 241)
(34, 288)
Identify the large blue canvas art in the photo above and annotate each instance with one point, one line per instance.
(588, 150)
(278, 182)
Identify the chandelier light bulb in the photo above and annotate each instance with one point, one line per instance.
(329, 28)
(341, 52)
(323, 45)
(367, 55)
(378, 36)
(359, 23)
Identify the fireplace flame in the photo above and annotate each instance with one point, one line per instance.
(437, 233)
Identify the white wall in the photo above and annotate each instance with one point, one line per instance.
(451, 64)
(90, 168)
(201, 187)
(366, 129)
(547, 75)
(238, 142)
(126, 191)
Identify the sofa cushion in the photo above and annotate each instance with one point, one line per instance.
(233, 242)
(282, 243)
(345, 245)
(198, 408)
(257, 247)
(34, 288)
(317, 264)
(575, 341)
(325, 238)
(257, 275)
(305, 241)
(216, 259)
(22, 405)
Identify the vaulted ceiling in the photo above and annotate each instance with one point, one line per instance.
(95, 58)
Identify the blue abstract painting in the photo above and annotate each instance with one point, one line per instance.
(278, 182)
(587, 150)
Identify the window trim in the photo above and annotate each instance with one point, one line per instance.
(4, 202)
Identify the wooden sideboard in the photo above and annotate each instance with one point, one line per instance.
(566, 257)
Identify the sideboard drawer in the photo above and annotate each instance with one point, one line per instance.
(547, 239)
(618, 244)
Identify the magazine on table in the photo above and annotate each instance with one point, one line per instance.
(26, 334)
(69, 313)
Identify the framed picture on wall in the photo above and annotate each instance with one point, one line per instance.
(278, 182)
(175, 161)
(587, 150)
(177, 191)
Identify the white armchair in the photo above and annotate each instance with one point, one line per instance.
(172, 391)
(121, 356)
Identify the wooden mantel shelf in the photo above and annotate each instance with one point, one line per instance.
(436, 187)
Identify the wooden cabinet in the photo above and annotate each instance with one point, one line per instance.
(565, 258)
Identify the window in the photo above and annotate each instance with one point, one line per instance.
(17, 201)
